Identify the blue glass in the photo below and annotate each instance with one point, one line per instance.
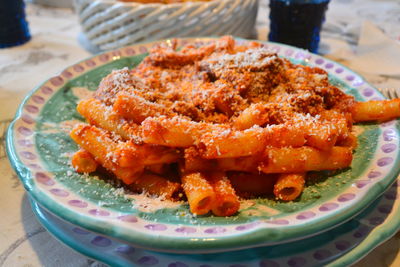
(13, 25)
(297, 22)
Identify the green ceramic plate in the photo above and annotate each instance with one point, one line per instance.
(39, 149)
(341, 246)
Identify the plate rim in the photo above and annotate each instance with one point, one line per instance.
(380, 234)
(221, 243)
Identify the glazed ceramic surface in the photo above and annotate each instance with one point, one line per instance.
(39, 149)
(341, 246)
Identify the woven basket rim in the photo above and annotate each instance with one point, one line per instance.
(136, 4)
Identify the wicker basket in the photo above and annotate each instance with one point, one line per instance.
(109, 24)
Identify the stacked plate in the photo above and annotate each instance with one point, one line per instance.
(336, 221)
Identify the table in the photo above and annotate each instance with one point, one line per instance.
(24, 242)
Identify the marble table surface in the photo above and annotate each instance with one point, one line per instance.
(54, 46)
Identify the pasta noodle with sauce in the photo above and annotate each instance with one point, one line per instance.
(219, 121)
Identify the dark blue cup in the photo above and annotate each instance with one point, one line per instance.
(13, 25)
(297, 22)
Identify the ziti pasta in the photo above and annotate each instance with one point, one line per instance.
(211, 122)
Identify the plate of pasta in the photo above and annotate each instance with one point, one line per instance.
(205, 145)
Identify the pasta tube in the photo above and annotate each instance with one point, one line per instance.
(289, 186)
(376, 110)
(321, 136)
(255, 114)
(129, 154)
(220, 145)
(103, 116)
(303, 159)
(100, 144)
(174, 132)
(136, 108)
(83, 162)
(226, 201)
(194, 162)
(199, 192)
